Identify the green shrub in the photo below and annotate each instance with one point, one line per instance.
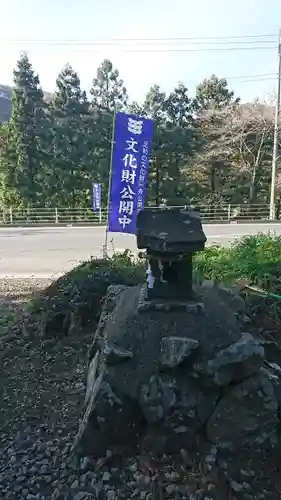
(213, 262)
(256, 258)
(77, 295)
(7, 319)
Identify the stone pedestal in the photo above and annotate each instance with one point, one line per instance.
(162, 381)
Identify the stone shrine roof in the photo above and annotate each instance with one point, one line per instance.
(170, 230)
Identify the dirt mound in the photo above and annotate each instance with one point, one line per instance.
(73, 302)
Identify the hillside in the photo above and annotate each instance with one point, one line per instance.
(6, 102)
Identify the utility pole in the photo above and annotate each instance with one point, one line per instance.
(157, 185)
(275, 141)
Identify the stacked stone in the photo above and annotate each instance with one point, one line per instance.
(175, 369)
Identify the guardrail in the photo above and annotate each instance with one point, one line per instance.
(66, 216)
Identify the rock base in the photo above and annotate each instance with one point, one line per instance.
(163, 381)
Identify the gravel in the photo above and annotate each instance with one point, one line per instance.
(42, 389)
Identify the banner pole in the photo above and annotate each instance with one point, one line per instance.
(105, 255)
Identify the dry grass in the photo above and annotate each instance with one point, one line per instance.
(14, 293)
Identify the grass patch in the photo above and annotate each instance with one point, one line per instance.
(256, 258)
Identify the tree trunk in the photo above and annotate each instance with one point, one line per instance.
(252, 190)
(213, 179)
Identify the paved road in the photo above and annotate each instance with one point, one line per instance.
(45, 252)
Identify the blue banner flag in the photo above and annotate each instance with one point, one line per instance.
(129, 171)
(96, 197)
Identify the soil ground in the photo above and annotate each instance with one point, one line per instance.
(42, 388)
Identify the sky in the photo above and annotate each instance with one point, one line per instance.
(41, 27)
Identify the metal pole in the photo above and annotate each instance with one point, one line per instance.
(275, 140)
(229, 212)
(109, 186)
(157, 197)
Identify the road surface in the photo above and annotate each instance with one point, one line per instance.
(46, 252)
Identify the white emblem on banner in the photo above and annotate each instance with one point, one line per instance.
(135, 126)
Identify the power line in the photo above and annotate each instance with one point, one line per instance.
(168, 44)
(257, 80)
(106, 43)
(251, 78)
(262, 75)
(147, 40)
(169, 49)
(207, 49)
(276, 132)
(238, 79)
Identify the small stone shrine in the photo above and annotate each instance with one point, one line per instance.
(170, 238)
(173, 367)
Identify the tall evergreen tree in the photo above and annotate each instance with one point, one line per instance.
(154, 107)
(213, 93)
(108, 90)
(212, 99)
(174, 139)
(69, 177)
(207, 148)
(29, 130)
(184, 139)
(9, 192)
(109, 94)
